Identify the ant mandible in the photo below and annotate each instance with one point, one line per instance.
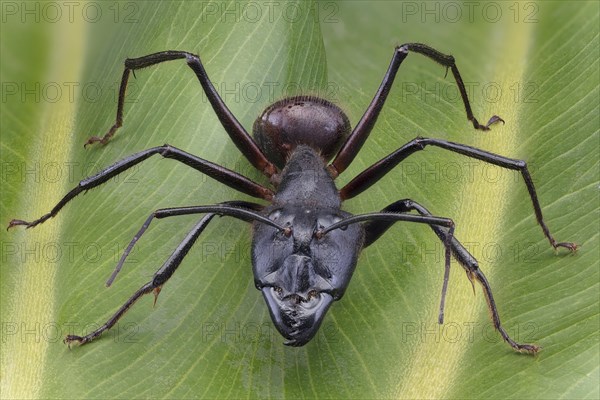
(304, 247)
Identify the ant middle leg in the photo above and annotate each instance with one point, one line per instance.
(375, 172)
(221, 174)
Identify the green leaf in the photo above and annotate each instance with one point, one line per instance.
(210, 335)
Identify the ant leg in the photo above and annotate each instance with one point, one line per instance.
(160, 277)
(375, 172)
(221, 174)
(374, 230)
(243, 204)
(386, 218)
(166, 271)
(363, 128)
(234, 129)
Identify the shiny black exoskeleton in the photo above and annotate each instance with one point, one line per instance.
(300, 275)
(304, 248)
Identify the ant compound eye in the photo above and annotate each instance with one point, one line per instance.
(324, 223)
(274, 216)
(338, 219)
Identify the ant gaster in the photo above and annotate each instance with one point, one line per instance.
(304, 247)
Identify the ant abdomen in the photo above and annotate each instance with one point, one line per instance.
(307, 120)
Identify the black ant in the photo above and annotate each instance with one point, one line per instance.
(304, 247)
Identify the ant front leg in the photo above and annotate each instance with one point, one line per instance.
(363, 128)
(157, 214)
(234, 129)
(375, 172)
(240, 210)
(374, 230)
(160, 277)
(379, 222)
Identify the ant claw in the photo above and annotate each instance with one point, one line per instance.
(92, 140)
(568, 245)
(486, 127)
(16, 222)
(73, 338)
(494, 120)
(104, 139)
(528, 348)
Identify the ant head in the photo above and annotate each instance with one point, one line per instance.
(307, 120)
(301, 273)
